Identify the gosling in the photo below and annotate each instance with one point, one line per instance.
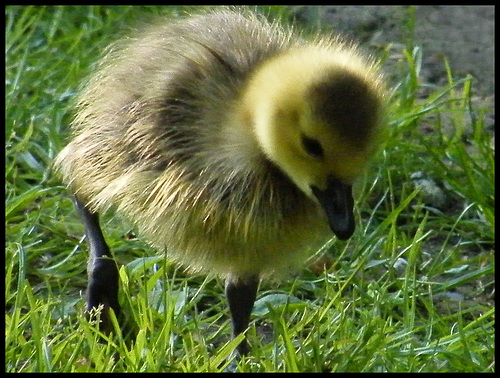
(230, 142)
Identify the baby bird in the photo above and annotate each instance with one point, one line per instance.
(230, 142)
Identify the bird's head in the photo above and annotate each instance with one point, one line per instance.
(316, 114)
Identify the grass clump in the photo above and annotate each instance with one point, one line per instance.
(411, 291)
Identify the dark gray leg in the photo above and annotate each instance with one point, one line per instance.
(241, 295)
(103, 273)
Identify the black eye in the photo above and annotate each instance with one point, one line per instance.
(312, 147)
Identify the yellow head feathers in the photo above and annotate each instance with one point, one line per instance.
(316, 111)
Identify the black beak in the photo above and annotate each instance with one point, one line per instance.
(338, 204)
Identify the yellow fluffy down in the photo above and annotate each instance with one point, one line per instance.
(168, 132)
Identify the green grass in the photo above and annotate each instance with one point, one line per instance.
(411, 291)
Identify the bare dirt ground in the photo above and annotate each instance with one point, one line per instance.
(464, 34)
